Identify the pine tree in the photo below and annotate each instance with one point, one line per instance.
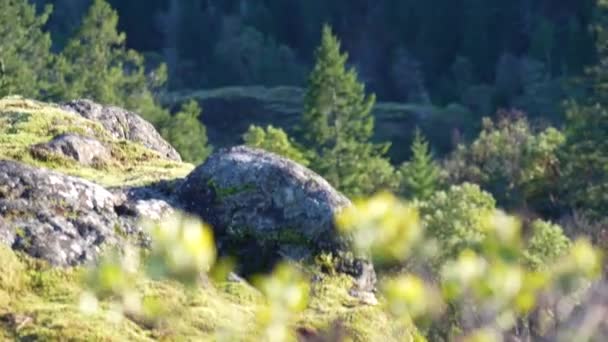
(187, 134)
(96, 64)
(338, 124)
(420, 176)
(336, 107)
(24, 49)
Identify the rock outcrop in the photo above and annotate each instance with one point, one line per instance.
(263, 207)
(62, 219)
(67, 220)
(123, 124)
(84, 150)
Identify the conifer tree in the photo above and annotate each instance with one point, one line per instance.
(336, 106)
(338, 124)
(96, 64)
(24, 49)
(187, 134)
(420, 176)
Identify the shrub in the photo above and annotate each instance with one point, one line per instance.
(518, 165)
(275, 140)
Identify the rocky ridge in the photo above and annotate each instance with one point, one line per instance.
(263, 207)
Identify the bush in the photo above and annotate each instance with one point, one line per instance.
(456, 218)
(546, 244)
(518, 165)
(275, 140)
(187, 134)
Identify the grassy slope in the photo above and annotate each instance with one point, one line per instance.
(24, 123)
(40, 303)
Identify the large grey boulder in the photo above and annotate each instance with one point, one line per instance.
(123, 124)
(67, 220)
(261, 203)
(84, 150)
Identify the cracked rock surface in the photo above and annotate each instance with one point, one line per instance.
(63, 219)
(123, 124)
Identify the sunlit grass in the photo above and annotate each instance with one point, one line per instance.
(24, 123)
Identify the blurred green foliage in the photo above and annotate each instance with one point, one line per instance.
(490, 277)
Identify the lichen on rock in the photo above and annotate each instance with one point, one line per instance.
(264, 207)
(249, 192)
(67, 220)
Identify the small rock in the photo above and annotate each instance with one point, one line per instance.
(362, 271)
(364, 297)
(84, 150)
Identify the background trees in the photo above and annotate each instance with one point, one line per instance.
(585, 153)
(24, 49)
(96, 64)
(552, 33)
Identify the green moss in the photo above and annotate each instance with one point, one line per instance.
(24, 123)
(330, 302)
(284, 236)
(222, 193)
(47, 298)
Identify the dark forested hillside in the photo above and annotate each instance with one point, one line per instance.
(403, 49)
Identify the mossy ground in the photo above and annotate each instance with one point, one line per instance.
(24, 123)
(40, 303)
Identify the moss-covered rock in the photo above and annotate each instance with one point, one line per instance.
(256, 198)
(26, 123)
